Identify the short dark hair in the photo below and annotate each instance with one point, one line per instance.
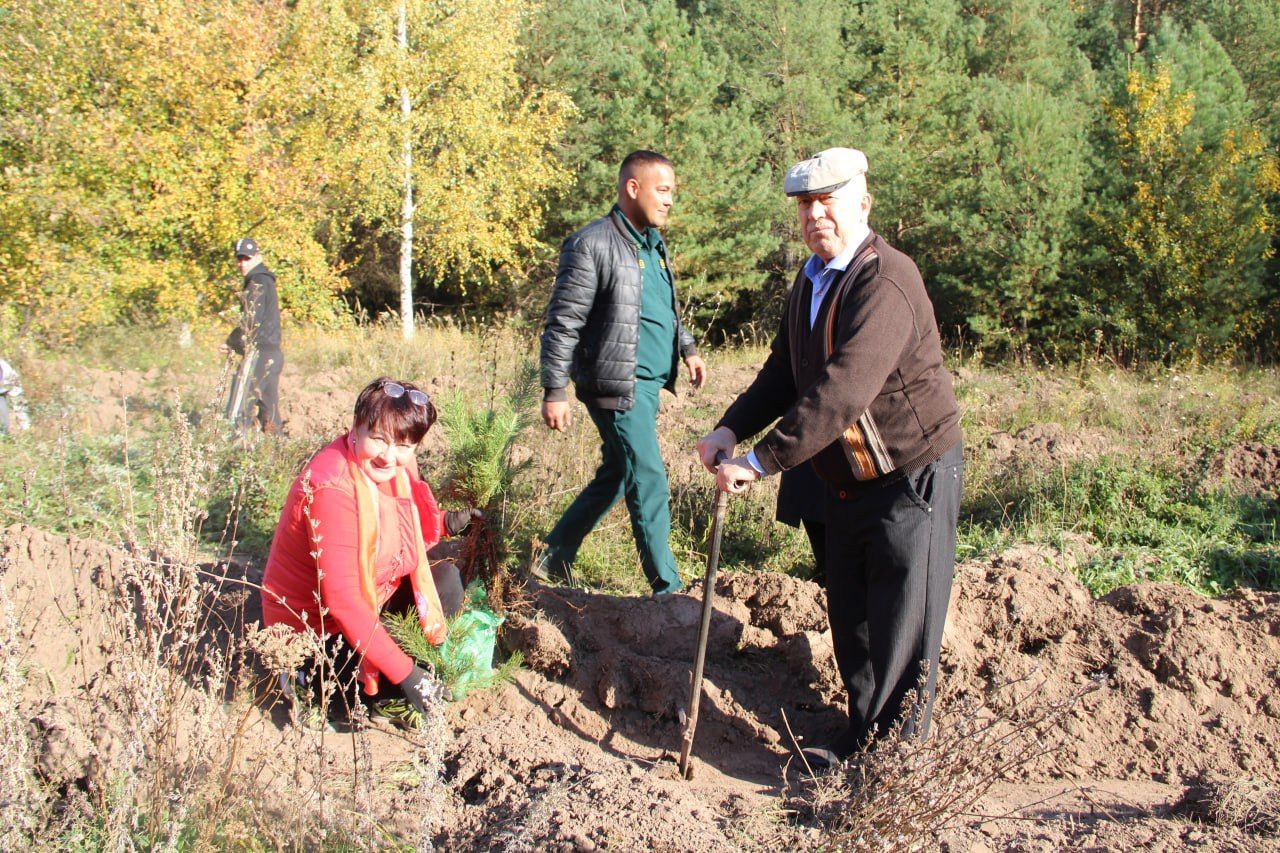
(404, 419)
(633, 161)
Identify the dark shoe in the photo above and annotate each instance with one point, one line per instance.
(551, 570)
(821, 759)
(847, 743)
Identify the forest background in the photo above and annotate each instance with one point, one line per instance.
(1073, 178)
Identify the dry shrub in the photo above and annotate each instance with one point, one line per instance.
(166, 691)
(900, 791)
(1252, 805)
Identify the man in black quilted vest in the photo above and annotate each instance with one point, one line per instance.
(613, 328)
(856, 383)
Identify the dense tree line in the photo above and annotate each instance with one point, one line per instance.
(1101, 172)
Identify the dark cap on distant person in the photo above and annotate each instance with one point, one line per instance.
(246, 247)
(825, 172)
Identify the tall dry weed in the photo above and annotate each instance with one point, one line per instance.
(176, 682)
(901, 791)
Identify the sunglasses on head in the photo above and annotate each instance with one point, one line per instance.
(395, 391)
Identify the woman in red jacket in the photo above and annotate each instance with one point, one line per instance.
(352, 541)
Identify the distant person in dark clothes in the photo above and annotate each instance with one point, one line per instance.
(259, 332)
(613, 329)
(856, 383)
(802, 503)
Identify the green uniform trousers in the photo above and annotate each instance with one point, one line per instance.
(631, 467)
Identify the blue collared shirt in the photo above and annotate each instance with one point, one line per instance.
(823, 276)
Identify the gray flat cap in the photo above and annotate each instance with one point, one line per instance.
(825, 172)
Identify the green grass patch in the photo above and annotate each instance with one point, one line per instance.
(1138, 515)
(59, 480)
(751, 540)
(1132, 519)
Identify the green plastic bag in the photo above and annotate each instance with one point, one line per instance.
(467, 654)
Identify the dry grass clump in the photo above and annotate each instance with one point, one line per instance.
(1249, 804)
(899, 792)
(1252, 805)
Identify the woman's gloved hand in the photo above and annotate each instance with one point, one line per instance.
(420, 689)
(458, 520)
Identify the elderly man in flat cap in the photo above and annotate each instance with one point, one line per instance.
(856, 383)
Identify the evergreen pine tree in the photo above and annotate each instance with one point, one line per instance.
(1011, 221)
(1249, 31)
(790, 68)
(917, 125)
(642, 77)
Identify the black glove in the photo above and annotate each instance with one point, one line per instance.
(419, 689)
(458, 520)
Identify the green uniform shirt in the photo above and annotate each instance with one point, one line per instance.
(656, 350)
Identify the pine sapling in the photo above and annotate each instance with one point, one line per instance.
(483, 472)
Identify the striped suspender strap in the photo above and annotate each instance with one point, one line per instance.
(860, 260)
(862, 443)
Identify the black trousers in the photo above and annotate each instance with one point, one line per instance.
(890, 558)
(817, 533)
(802, 503)
(266, 388)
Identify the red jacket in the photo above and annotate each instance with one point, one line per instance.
(298, 567)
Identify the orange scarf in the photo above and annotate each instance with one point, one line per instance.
(425, 597)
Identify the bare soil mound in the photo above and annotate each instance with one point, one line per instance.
(320, 405)
(1250, 469)
(1186, 684)
(578, 754)
(103, 398)
(70, 597)
(57, 585)
(1047, 441)
(626, 663)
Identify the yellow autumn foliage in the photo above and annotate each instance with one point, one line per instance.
(141, 138)
(1194, 213)
(483, 149)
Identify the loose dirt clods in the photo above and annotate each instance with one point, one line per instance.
(1251, 469)
(579, 753)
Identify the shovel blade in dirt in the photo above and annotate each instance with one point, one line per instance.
(708, 597)
(238, 393)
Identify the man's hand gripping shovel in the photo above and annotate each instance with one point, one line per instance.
(690, 718)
